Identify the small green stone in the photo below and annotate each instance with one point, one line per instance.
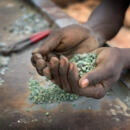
(47, 114)
(89, 107)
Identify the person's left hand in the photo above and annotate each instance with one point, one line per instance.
(109, 65)
(66, 41)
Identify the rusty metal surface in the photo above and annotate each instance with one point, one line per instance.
(18, 113)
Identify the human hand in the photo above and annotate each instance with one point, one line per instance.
(67, 41)
(109, 65)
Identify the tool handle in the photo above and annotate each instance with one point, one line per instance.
(39, 36)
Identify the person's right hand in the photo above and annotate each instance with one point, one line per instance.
(110, 63)
(67, 41)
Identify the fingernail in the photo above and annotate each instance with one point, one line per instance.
(84, 83)
(37, 56)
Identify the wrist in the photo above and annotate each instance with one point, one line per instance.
(125, 54)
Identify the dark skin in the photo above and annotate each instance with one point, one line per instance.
(67, 41)
(98, 81)
(103, 24)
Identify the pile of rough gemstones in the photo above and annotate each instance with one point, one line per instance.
(85, 62)
(50, 92)
(29, 22)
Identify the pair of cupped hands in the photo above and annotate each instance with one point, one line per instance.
(72, 40)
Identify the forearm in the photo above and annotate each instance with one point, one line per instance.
(106, 20)
(125, 54)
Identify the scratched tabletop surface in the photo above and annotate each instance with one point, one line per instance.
(18, 113)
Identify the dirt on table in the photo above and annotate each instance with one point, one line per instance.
(19, 113)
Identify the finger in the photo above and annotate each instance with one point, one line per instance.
(73, 78)
(40, 64)
(34, 58)
(47, 73)
(39, 72)
(50, 55)
(63, 70)
(99, 90)
(96, 91)
(37, 56)
(51, 43)
(96, 76)
(54, 68)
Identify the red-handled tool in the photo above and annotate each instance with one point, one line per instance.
(39, 36)
(16, 47)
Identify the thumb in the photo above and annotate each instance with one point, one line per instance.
(93, 77)
(50, 44)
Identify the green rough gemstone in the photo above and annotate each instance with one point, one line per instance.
(85, 63)
(39, 94)
(47, 114)
(83, 68)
